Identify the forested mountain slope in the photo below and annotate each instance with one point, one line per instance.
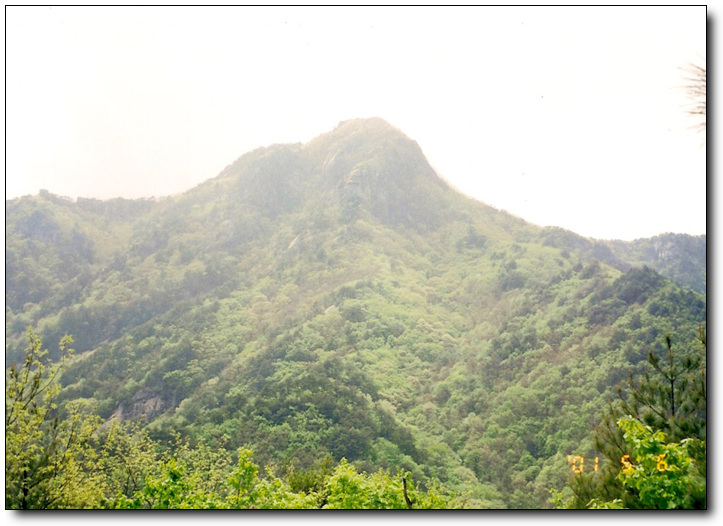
(338, 297)
(679, 257)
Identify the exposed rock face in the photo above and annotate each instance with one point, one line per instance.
(144, 405)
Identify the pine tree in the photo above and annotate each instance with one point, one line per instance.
(669, 399)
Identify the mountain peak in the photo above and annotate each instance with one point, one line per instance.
(354, 133)
(361, 166)
(373, 165)
(368, 124)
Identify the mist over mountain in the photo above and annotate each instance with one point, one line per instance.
(338, 297)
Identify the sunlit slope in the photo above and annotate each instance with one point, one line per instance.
(338, 297)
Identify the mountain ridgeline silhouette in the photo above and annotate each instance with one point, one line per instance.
(363, 166)
(338, 297)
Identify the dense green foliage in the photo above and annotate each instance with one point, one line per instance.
(660, 422)
(657, 474)
(337, 300)
(69, 461)
(679, 257)
(665, 475)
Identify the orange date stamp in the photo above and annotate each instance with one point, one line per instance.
(577, 463)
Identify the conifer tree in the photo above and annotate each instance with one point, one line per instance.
(669, 399)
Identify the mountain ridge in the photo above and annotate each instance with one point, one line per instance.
(338, 297)
(242, 203)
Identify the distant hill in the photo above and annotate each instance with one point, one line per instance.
(679, 257)
(338, 297)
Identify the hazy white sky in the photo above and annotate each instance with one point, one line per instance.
(567, 116)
